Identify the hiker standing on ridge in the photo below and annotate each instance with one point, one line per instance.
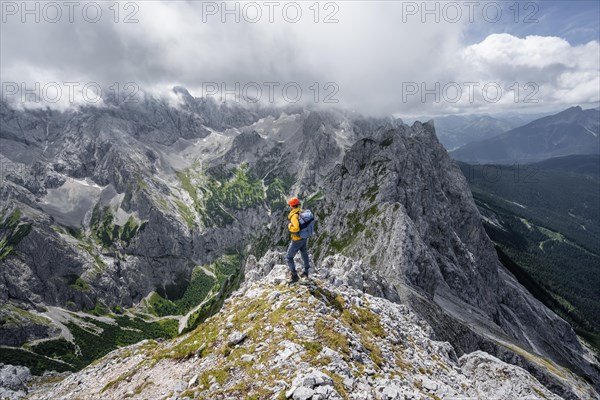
(300, 227)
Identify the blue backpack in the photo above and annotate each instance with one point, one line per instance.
(307, 224)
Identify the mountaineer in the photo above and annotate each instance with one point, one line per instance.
(301, 226)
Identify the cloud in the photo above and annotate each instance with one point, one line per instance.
(564, 74)
(371, 55)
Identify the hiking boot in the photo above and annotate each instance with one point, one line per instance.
(293, 280)
(304, 275)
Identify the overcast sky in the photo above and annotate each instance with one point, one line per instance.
(376, 57)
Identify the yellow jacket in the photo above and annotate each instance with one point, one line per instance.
(294, 225)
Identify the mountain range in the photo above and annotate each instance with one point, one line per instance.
(570, 132)
(137, 220)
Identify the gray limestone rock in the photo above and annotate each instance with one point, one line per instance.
(395, 215)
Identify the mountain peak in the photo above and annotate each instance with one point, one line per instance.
(184, 95)
(181, 90)
(571, 111)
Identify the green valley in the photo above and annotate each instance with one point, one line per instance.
(544, 220)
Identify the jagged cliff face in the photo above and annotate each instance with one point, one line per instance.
(94, 170)
(133, 205)
(324, 339)
(400, 204)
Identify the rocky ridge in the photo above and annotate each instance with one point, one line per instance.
(333, 337)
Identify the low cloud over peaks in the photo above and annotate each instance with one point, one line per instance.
(377, 58)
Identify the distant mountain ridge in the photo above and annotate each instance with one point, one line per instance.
(454, 131)
(572, 131)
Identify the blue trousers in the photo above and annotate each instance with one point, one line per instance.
(295, 247)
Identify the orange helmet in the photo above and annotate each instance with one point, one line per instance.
(293, 202)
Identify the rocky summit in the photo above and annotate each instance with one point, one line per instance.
(330, 337)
